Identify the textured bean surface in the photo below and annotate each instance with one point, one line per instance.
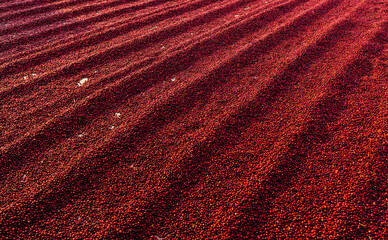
(193, 119)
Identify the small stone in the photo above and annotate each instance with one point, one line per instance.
(173, 79)
(117, 115)
(111, 127)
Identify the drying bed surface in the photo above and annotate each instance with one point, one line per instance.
(204, 119)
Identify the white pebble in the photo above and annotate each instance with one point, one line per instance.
(25, 77)
(81, 135)
(173, 79)
(111, 127)
(236, 15)
(117, 115)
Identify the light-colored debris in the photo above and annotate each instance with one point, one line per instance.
(117, 115)
(236, 15)
(133, 167)
(111, 127)
(82, 134)
(173, 79)
(83, 80)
